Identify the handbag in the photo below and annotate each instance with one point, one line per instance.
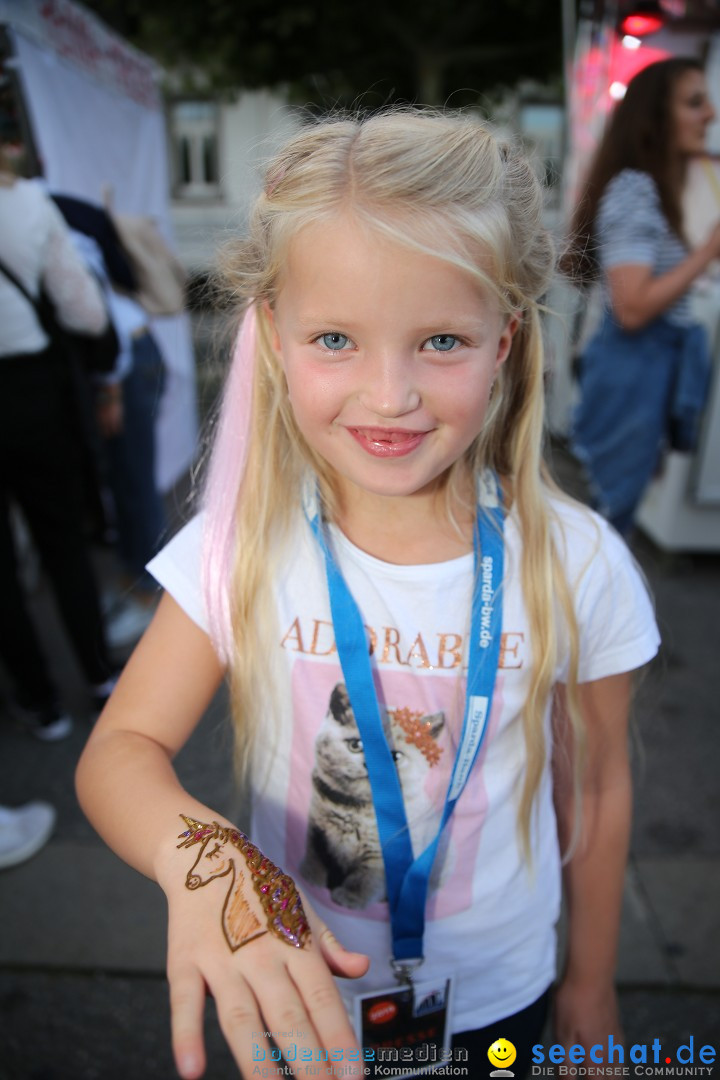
(97, 353)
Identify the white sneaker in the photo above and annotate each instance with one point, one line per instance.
(54, 730)
(23, 831)
(48, 724)
(126, 622)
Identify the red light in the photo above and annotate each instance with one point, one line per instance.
(640, 25)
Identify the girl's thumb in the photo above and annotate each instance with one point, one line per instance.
(350, 965)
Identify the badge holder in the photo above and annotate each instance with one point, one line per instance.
(405, 1028)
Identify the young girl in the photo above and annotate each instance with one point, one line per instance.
(418, 630)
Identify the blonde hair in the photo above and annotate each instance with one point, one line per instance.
(446, 186)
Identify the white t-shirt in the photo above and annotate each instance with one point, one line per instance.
(490, 919)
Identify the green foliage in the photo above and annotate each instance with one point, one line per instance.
(327, 53)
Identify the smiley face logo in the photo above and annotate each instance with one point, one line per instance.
(501, 1054)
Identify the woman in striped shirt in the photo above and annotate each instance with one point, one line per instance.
(644, 374)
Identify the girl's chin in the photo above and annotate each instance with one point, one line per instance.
(350, 485)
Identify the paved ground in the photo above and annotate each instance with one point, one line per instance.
(82, 991)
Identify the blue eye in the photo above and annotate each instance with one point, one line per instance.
(442, 342)
(334, 341)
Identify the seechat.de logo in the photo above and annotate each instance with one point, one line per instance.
(614, 1059)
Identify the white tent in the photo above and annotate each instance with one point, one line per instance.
(97, 121)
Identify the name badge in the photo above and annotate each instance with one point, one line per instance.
(406, 1028)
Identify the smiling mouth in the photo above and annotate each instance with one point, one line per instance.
(387, 442)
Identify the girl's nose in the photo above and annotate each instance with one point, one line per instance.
(391, 388)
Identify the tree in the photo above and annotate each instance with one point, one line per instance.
(328, 53)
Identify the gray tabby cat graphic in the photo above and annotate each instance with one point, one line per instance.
(343, 848)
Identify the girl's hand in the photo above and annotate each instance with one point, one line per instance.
(586, 1014)
(263, 987)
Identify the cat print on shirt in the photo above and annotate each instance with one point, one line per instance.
(343, 848)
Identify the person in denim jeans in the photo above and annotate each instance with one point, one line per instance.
(126, 408)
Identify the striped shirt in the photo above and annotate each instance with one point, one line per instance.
(631, 229)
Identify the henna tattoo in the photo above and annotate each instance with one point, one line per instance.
(279, 899)
(240, 924)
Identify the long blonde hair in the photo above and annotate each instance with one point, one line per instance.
(446, 186)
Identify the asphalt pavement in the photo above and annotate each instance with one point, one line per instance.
(82, 988)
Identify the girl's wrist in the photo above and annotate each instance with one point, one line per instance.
(169, 866)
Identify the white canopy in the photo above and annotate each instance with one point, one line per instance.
(97, 120)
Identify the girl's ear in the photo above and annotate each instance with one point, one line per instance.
(274, 336)
(506, 339)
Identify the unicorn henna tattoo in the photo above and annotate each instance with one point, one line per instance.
(279, 899)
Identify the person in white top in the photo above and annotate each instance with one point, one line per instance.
(423, 637)
(41, 465)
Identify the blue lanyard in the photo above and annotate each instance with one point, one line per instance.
(407, 877)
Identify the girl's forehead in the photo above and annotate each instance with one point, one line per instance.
(344, 245)
(395, 230)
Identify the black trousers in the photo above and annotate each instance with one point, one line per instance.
(41, 469)
(523, 1029)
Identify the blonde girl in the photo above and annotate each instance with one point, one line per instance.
(422, 637)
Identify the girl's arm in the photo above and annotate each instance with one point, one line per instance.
(128, 788)
(586, 1010)
(638, 297)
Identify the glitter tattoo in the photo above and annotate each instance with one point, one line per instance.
(418, 732)
(276, 891)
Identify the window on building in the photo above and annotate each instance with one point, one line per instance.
(194, 126)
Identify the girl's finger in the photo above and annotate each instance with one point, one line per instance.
(187, 1005)
(350, 965)
(323, 1003)
(242, 1025)
(283, 1005)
